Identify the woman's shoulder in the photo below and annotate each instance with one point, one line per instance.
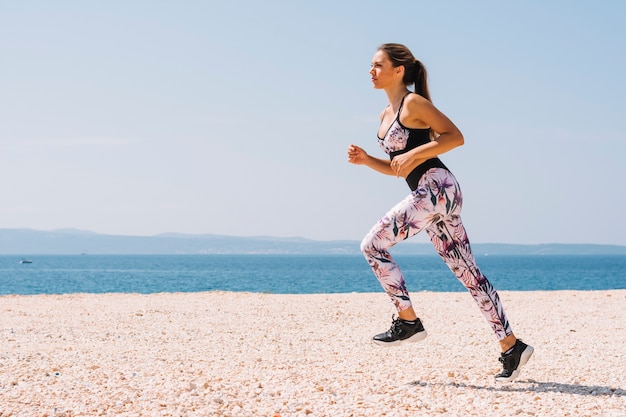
(415, 99)
(415, 106)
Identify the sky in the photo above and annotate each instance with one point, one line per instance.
(214, 117)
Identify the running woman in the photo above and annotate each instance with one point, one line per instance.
(413, 132)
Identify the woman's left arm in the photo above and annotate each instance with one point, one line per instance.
(423, 111)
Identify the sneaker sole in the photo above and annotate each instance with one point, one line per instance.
(417, 337)
(523, 360)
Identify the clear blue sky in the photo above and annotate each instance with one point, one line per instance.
(144, 117)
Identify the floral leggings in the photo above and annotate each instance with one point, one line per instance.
(434, 206)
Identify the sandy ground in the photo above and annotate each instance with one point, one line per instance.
(243, 354)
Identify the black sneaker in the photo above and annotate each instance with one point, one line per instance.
(401, 331)
(514, 360)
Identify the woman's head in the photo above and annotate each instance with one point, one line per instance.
(414, 70)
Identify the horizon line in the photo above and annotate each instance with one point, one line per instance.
(70, 230)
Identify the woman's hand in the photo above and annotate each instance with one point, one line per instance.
(402, 165)
(357, 155)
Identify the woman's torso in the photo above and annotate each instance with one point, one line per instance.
(399, 139)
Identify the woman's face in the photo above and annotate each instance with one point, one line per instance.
(383, 72)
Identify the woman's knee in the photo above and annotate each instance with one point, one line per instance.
(366, 245)
(372, 243)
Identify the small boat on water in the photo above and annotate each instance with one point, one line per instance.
(26, 261)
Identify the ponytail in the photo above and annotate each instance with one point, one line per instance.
(418, 77)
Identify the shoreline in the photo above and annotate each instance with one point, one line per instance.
(257, 354)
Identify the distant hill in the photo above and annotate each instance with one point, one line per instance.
(71, 241)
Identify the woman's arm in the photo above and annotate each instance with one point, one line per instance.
(358, 156)
(418, 112)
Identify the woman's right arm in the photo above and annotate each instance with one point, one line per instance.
(358, 156)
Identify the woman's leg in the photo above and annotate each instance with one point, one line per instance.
(392, 228)
(451, 242)
(436, 207)
(437, 195)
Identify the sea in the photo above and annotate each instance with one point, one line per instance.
(294, 274)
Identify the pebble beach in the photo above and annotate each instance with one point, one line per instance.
(251, 354)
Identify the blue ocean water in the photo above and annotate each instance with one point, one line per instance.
(293, 274)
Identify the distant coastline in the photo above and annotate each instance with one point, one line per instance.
(72, 241)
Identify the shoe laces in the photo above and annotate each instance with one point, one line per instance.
(507, 361)
(396, 323)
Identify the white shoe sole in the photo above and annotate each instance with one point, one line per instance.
(523, 359)
(417, 337)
